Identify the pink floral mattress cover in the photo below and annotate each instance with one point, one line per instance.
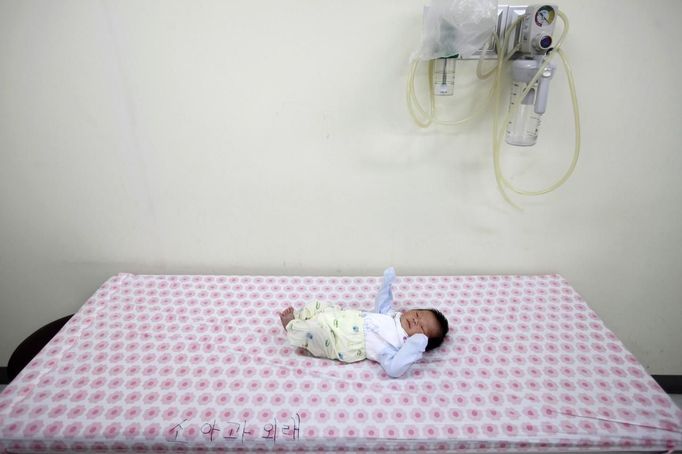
(183, 363)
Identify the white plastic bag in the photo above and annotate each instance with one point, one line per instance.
(456, 27)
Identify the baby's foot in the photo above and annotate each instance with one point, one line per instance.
(286, 316)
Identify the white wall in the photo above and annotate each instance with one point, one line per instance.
(272, 137)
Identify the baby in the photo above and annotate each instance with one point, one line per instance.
(393, 339)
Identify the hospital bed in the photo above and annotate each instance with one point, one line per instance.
(201, 364)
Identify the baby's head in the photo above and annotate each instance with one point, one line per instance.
(429, 322)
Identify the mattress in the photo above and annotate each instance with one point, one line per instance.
(201, 363)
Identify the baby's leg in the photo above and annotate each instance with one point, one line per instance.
(311, 309)
(314, 335)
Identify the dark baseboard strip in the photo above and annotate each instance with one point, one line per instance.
(672, 384)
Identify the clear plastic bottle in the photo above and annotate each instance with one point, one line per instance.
(522, 129)
(444, 76)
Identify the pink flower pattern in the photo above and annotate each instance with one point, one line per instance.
(150, 360)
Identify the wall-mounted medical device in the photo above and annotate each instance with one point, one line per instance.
(523, 41)
(537, 27)
(535, 40)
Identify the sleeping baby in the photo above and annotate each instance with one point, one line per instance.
(393, 339)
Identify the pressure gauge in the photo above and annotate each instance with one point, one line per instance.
(535, 37)
(545, 16)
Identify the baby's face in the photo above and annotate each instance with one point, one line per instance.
(419, 321)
